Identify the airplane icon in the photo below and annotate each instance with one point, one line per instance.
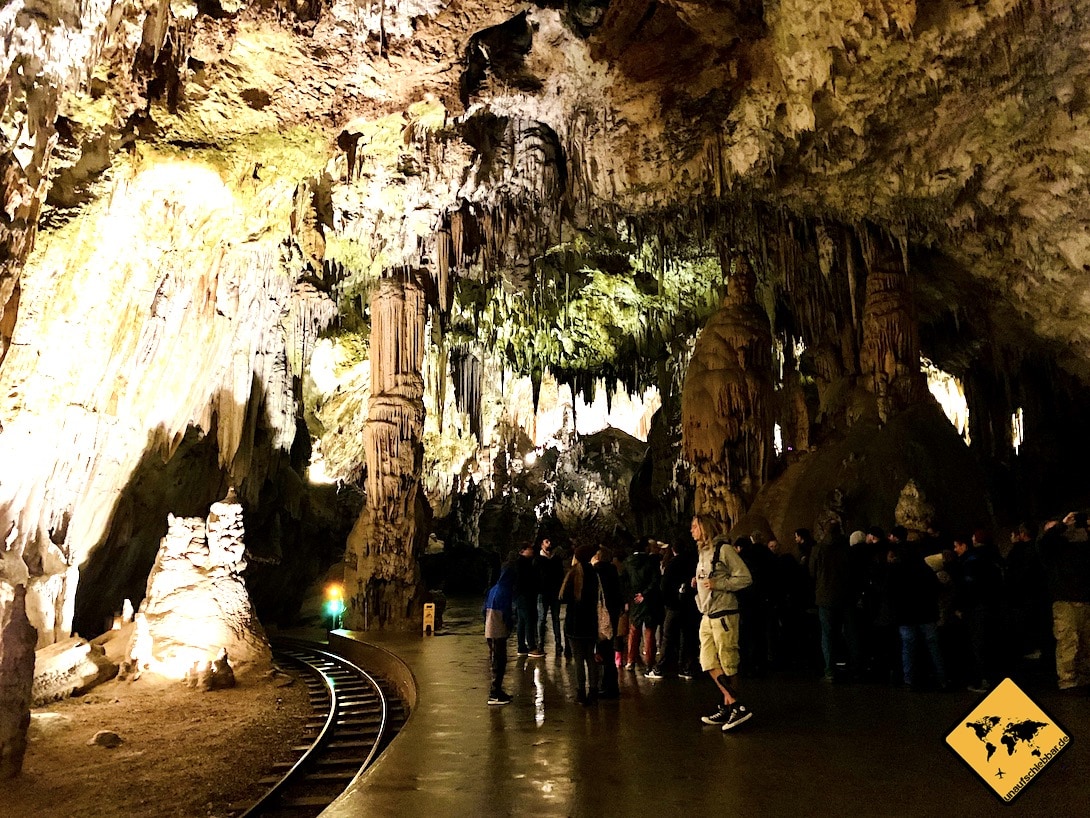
(1000, 774)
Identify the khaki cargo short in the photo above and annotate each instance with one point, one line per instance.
(719, 643)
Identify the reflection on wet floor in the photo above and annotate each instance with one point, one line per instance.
(811, 748)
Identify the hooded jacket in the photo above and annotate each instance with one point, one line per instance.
(498, 613)
(720, 563)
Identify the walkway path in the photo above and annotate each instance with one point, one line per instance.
(811, 750)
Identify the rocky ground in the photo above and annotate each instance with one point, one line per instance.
(182, 752)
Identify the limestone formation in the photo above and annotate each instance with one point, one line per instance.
(89, 414)
(16, 677)
(211, 675)
(913, 511)
(726, 406)
(890, 353)
(197, 605)
(381, 572)
(67, 668)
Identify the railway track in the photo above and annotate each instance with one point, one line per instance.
(355, 717)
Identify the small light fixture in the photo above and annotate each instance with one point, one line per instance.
(334, 604)
(530, 458)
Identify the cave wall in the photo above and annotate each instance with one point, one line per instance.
(193, 192)
(119, 390)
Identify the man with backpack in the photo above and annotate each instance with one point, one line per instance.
(720, 574)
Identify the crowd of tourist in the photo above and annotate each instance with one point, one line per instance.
(930, 612)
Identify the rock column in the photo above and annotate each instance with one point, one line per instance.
(17, 639)
(197, 606)
(381, 574)
(726, 403)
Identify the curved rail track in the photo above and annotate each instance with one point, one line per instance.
(355, 716)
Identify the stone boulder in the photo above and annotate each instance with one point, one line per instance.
(69, 668)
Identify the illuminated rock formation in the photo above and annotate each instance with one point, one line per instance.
(381, 572)
(197, 607)
(726, 405)
(889, 356)
(69, 667)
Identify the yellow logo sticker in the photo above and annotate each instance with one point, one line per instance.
(1007, 739)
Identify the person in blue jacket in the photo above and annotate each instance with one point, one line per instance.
(499, 615)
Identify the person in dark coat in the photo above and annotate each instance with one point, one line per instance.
(878, 640)
(979, 581)
(788, 592)
(645, 604)
(549, 564)
(1029, 615)
(755, 603)
(831, 572)
(611, 592)
(526, 588)
(680, 644)
(811, 656)
(912, 590)
(579, 592)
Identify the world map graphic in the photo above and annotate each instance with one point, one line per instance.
(1013, 736)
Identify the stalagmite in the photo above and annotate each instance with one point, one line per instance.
(16, 676)
(381, 573)
(197, 606)
(726, 403)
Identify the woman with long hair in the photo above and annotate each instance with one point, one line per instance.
(579, 592)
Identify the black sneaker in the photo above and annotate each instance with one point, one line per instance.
(655, 673)
(720, 716)
(739, 714)
(499, 698)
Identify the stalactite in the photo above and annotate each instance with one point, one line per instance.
(466, 369)
(535, 380)
(849, 266)
(443, 253)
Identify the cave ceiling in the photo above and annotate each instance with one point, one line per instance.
(568, 144)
